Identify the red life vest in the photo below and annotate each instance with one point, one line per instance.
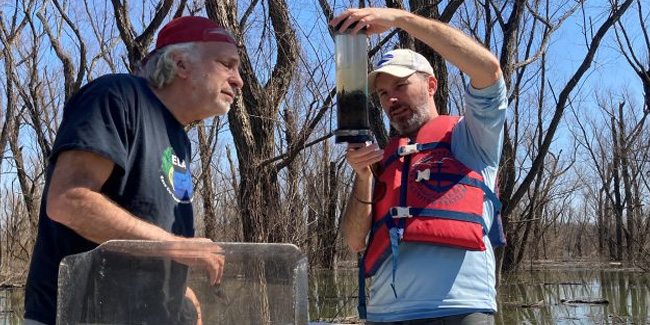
(429, 196)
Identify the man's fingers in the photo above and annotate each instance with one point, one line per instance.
(221, 261)
(341, 17)
(214, 267)
(370, 154)
(363, 150)
(213, 271)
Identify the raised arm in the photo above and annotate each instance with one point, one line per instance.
(453, 45)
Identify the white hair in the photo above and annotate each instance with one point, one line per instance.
(160, 69)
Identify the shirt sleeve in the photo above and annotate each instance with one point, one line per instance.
(94, 120)
(479, 134)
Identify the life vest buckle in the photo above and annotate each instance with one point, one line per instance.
(408, 149)
(400, 212)
(423, 175)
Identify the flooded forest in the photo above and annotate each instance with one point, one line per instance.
(574, 175)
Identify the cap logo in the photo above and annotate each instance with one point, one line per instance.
(385, 59)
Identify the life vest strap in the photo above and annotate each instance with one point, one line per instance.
(409, 212)
(361, 308)
(410, 149)
(486, 191)
(400, 212)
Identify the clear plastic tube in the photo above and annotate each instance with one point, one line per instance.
(352, 88)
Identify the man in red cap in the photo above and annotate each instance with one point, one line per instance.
(120, 165)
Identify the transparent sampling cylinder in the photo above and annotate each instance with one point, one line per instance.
(353, 122)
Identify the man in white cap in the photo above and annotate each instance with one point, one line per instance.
(427, 219)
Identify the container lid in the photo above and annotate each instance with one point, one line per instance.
(351, 27)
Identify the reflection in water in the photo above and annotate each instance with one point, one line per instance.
(11, 306)
(333, 297)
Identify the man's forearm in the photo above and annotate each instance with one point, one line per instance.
(96, 218)
(357, 217)
(454, 46)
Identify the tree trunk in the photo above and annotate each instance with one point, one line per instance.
(253, 120)
(207, 188)
(627, 185)
(618, 204)
(430, 10)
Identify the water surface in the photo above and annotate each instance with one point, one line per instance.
(530, 297)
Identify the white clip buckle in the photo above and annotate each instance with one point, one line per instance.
(400, 212)
(422, 175)
(408, 149)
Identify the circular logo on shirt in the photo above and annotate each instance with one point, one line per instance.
(433, 179)
(176, 176)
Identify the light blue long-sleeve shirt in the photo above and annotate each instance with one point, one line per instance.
(436, 281)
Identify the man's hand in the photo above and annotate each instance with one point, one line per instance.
(210, 258)
(453, 45)
(361, 156)
(193, 252)
(376, 20)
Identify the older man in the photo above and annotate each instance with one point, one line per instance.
(120, 165)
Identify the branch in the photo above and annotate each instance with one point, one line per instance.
(287, 47)
(82, 49)
(292, 153)
(562, 100)
(248, 12)
(306, 132)
(547, 34)
(450, 10)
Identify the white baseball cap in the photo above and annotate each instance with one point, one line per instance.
(399, 63)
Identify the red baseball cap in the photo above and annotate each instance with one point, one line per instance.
(192, 29)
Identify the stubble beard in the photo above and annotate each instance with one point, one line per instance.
(223, 107)
(420, 116)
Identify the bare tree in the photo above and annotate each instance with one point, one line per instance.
(253, 119)
(137, 46)
(509, 195)
(617, 157)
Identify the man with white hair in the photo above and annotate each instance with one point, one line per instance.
(120, 164)
(424, 218)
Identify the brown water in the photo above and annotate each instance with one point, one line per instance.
(333, 297)
(11, 306)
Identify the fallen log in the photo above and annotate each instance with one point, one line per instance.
(591, 301)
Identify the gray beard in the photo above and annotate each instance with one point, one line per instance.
(420, 116)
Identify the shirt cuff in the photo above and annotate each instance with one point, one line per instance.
(495, 88)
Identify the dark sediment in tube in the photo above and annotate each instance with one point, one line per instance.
(352, 110)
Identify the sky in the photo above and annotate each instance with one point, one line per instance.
(609, 70)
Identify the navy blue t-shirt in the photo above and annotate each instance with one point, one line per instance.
(120, 118)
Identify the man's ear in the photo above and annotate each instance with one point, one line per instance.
(432, 84)
(180, 61)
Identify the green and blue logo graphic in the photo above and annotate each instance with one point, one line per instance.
(176, 176)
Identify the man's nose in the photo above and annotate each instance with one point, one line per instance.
(235, 80)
